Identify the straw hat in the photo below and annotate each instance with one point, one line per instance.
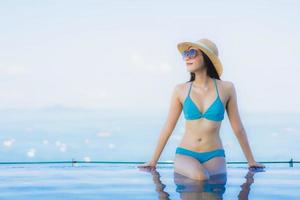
(208, 47)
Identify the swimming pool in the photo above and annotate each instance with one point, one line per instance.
(125, 181)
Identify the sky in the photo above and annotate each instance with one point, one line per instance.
(123, 54)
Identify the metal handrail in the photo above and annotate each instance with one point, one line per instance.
(73, 161)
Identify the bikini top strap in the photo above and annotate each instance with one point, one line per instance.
(190, 88)
(216, 86)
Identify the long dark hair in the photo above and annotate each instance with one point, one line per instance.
(211, 70)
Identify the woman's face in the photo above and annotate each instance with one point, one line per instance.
(196, 63)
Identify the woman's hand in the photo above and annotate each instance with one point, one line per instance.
(255, 165)
(148, 165)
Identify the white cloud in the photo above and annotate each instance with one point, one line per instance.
(31, 152)
(87, 159)
(63, 147)
(9, 142)
(45, 141)
(104, 134)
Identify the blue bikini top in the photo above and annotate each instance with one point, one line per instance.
(215, 112)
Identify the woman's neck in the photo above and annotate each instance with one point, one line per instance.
(201, 79)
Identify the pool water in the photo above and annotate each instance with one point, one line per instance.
(126, 181)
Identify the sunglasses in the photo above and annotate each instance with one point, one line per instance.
(192, 53)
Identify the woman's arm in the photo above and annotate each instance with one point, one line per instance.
(238, 128)
(168, 127)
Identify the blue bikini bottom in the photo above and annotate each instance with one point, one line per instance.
(201, 156)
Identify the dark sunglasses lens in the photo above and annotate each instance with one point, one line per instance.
(189, 53)
(193, 53)
(185, 54)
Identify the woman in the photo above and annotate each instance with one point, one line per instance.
(203, 100)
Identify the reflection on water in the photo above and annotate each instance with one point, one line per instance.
(190, 189)
(159, 185)
(213, 188)
(122, 181)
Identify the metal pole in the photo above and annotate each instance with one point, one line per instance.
(291, 162)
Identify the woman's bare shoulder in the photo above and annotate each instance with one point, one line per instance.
(181, 87)
(225, 84)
